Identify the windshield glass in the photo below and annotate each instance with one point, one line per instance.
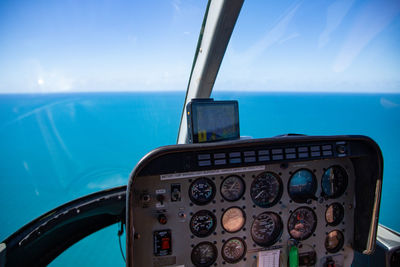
(306, 46)
(87, 88)
(319, 68)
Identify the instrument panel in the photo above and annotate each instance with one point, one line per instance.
(257, 214)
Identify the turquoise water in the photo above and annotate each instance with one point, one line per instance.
(57, 147)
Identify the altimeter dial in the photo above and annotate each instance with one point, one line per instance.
(266, 189)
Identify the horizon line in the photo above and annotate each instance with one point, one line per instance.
(184, 91)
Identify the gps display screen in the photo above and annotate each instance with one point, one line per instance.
(214, 121)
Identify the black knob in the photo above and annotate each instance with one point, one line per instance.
(146, 198)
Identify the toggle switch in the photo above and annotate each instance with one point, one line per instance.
(161, 198)
(162, 219)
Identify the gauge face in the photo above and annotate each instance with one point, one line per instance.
(334, 241)
(232, 188)
(266, 189)
(233, 219)
(202, 191)
(302, 186)
(334, 182)
(233, 250)
(204, 254)
(334, 214)
(266, 229)
(203, 223)
(302, 223)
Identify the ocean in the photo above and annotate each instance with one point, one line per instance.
(57, 147)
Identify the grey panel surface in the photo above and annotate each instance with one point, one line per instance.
(178, 214)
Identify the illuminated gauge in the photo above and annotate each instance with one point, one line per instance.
(334, 241)
(232, 188)
(203, 223)
(202, 191)
(204, 254)
(266, 189)
(334, 182)
(233, 250)
(334, 214)
(302, 186)
(302, 223)
(266, 229)
(233, 219)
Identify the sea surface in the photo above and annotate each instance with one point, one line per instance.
(57, 147)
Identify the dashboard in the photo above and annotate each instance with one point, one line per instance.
(287, 201)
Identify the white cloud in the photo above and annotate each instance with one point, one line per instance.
(30, 76)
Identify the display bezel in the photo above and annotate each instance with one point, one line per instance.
(194, 109)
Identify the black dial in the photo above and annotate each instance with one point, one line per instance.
(334, 241)
(203, 223)
(302, 223)
(334, 214)
(233, 250)
(266, 229)
(204, 254)
(334, 182)
(202, 191)
(266, 189)
(302, 186)
(232, 188)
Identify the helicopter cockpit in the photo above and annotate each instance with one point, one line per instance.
(217, 198)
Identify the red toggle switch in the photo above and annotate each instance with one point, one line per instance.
(165, 243)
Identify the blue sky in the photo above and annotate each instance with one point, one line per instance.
(75, 46)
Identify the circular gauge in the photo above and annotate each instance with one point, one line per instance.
(233, 250)
(232, 188)
(334, 241)
(233, 219)
(334, 182)
(302, 186)
(202, 191)
(302, 223)
(204, 254)
(266, 189)
(334, 214)
(203, 223)
(266, 229)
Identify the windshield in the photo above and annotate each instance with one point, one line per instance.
(88, 88)
(306, 46)
(319, 68)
